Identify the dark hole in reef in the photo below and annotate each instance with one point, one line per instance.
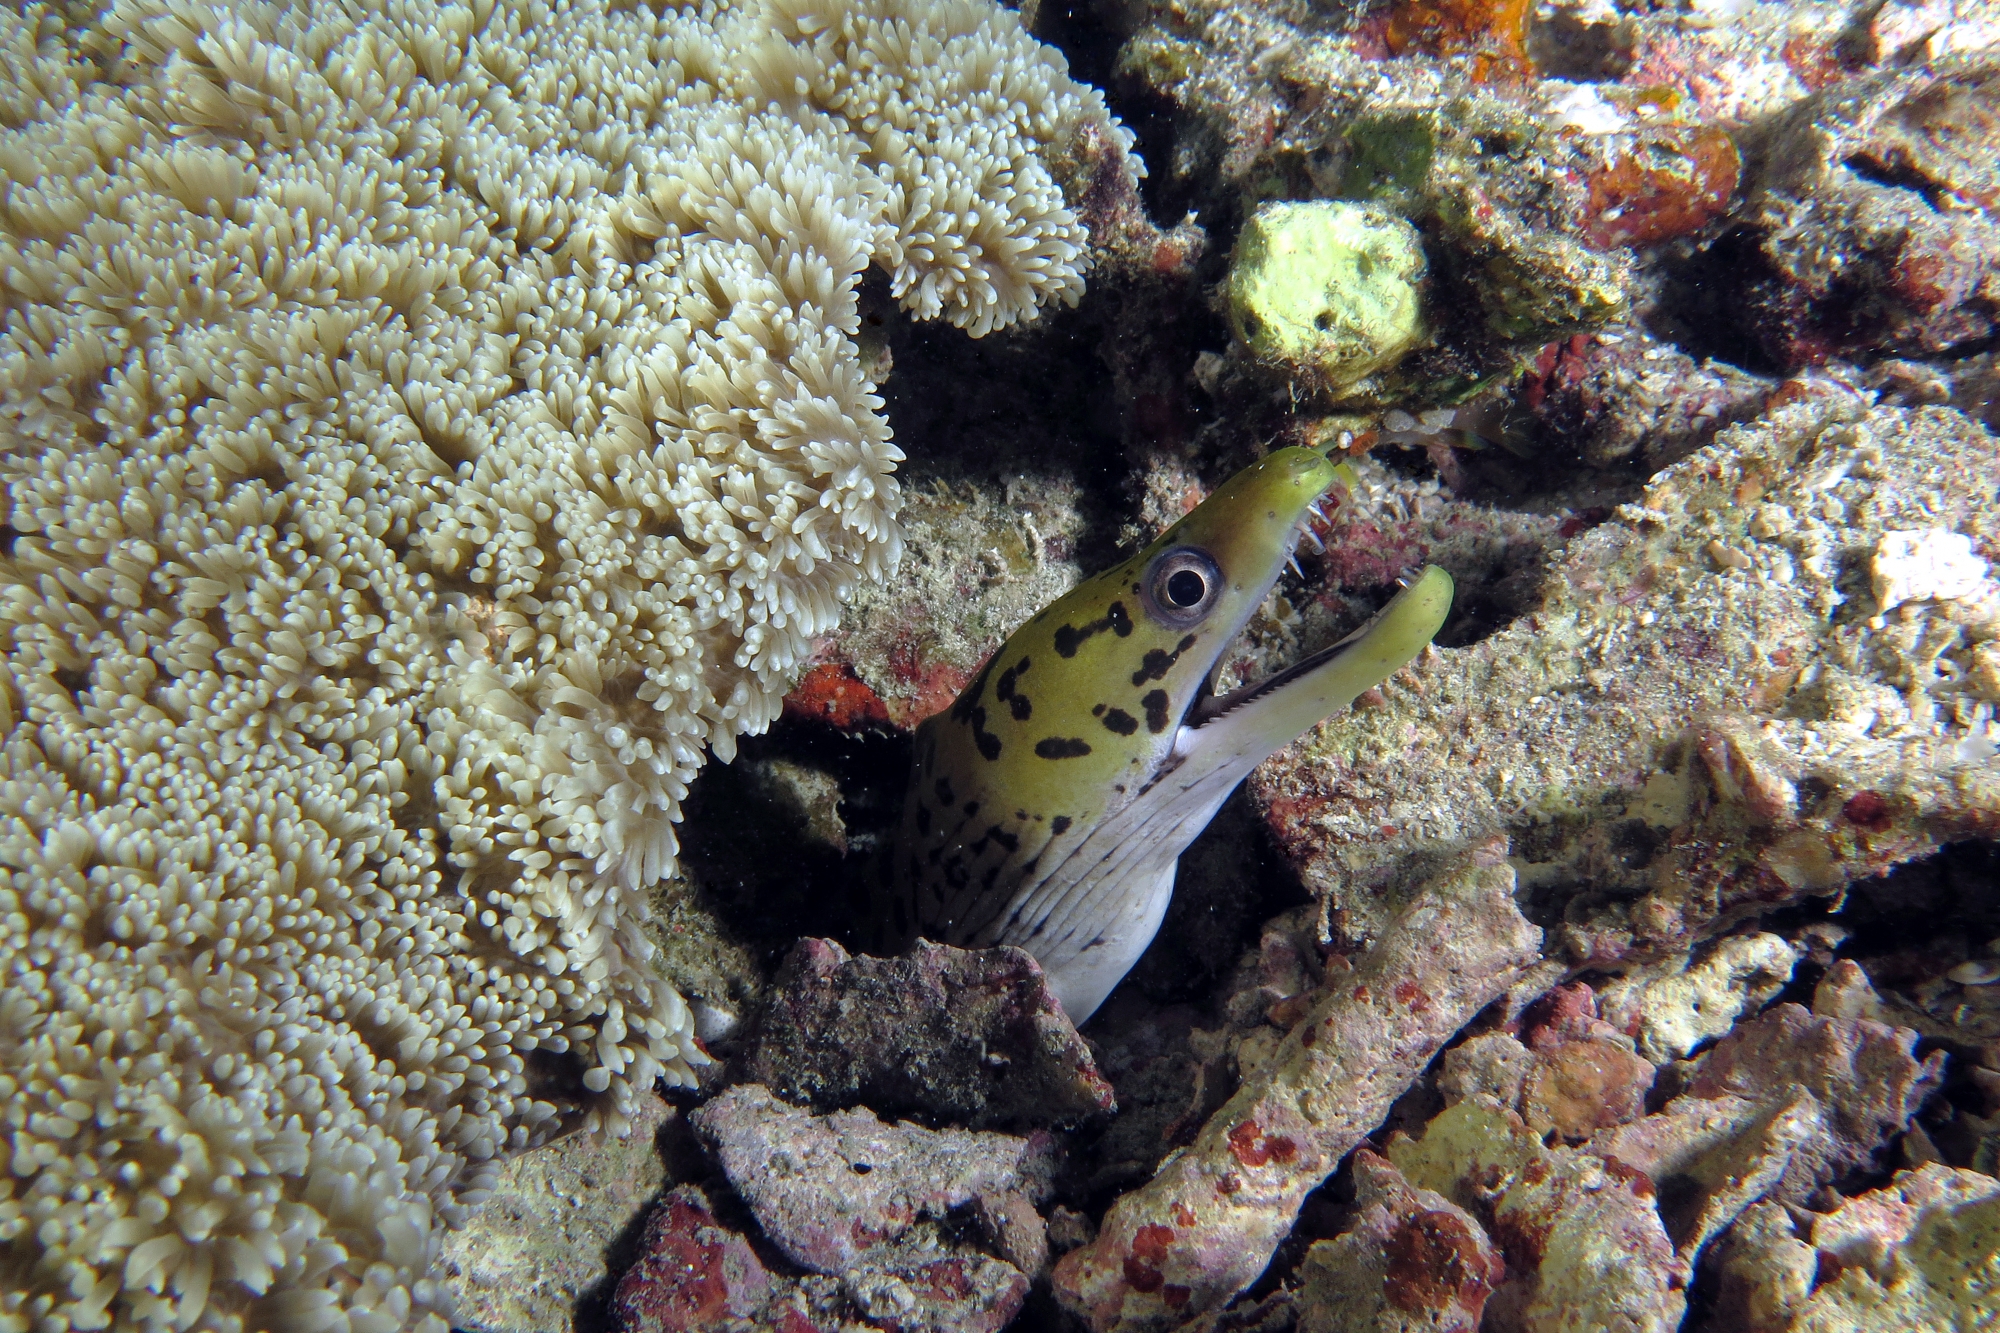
(861, 1168)
(1037, 399)
(76, 681)
(1924, 916)
(1635, 841)
(1564, 47)
(1720, 302)
(753, 844)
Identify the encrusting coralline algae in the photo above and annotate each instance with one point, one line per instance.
(427, 429)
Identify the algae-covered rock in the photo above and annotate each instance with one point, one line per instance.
(1704, 715)
(1329, 289)
(1916, 1254)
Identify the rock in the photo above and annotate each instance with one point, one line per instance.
(1846, 993)
(1204, 1227)
(920, 1285)
(691, 1274)
(827, 1188)
(1584, 1076)
(541, 1242)
(1014, 1227)
(1713, 1157)
(1328, 290)
(1586, 1238)
(1865, 1074)
(1493, 1065)
(1783, 1105)
(1580, 1087)
(1412, 1262)
(1684, 719)
(1915, 1254)
(1673, 1014)
(694, 1275)
(962, 1035)
(1469, 1153)
(1584, 1244)
(1576, 1075)
(1622, 393)
(1876, 217)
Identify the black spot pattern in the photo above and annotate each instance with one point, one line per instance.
(1158, 662)
(1005, 691)
(944, 792)
(1115, 618)
(988, 743)
(1156, 711)
(1120, 721)
(1062, 747)
(1059, 825)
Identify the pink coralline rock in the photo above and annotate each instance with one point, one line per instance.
(923, 1286)
(828, 1188)
(1786, 1103)
(1718, 1155)
(970, 1035)
(1575, 1074)
(1917, 1254)
(1584, 1245)
(1682, 721)
(1493, 1065)
(1203, 1228)
(1413, 1262)
(1584, 1232)
(1622, 394)
(692, 1273)
(1585, 1075)
(1877, 216)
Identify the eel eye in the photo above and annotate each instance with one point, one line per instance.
(1182, 586)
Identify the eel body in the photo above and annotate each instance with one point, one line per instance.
(1048, 807)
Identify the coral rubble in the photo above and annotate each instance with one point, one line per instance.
(974, 1037)
(1203, 1228)
(1705, 715)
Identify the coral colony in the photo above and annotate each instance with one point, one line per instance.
(427, 429)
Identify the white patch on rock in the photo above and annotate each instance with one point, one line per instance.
(1928, 565)
(1677, 1013)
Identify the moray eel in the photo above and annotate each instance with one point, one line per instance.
(1048, 807)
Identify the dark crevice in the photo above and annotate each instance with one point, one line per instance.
(1895, 176)
(1703, 308)
(750, 850)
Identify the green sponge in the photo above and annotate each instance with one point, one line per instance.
(1329, 288)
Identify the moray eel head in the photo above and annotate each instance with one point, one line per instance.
(1048, 806)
